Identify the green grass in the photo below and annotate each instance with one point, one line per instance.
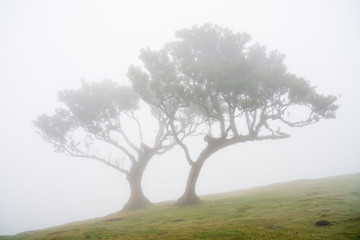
(279, 211)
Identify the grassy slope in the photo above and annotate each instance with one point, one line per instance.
(279, 211)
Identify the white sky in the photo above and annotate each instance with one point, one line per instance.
(47, 46)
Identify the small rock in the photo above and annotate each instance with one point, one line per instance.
(177, 220)
(274, 227)
(322, 223)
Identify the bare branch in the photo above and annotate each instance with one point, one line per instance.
(181, 144)
(220, 116)
(107, 139)
(161, 135)
(164, 149)
(263, 118)
(132, 116)
(300, 123)
(120, 130)
(248, 123)
(268, 128)
(78, 153)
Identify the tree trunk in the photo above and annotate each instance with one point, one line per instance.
(190, 197)
(137, 198)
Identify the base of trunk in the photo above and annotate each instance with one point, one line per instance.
(188, 199)
(137, 203)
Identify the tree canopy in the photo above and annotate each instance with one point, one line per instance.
(94, 123)
(211, 85)
(214, 80)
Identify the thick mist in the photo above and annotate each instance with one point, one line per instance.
(48, 46)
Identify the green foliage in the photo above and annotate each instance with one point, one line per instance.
(54, 128)
(218, 75)
(213, 83)
(93, 107)
(89, 125)
(160, 85)
(279, 212)
(97, 104)
(97, 122)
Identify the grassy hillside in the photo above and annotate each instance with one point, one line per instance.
(280, 211)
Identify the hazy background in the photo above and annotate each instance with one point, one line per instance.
(47, 46)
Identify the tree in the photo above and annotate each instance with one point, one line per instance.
(94, 123)
(213, 80)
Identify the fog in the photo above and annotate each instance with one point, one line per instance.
(47, 46)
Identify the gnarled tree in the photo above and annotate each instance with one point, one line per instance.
(101, 121)
(214, 81)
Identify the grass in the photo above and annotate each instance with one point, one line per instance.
(279, 211)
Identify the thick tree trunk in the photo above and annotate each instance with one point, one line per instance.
(137, 198)
(190, 197)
